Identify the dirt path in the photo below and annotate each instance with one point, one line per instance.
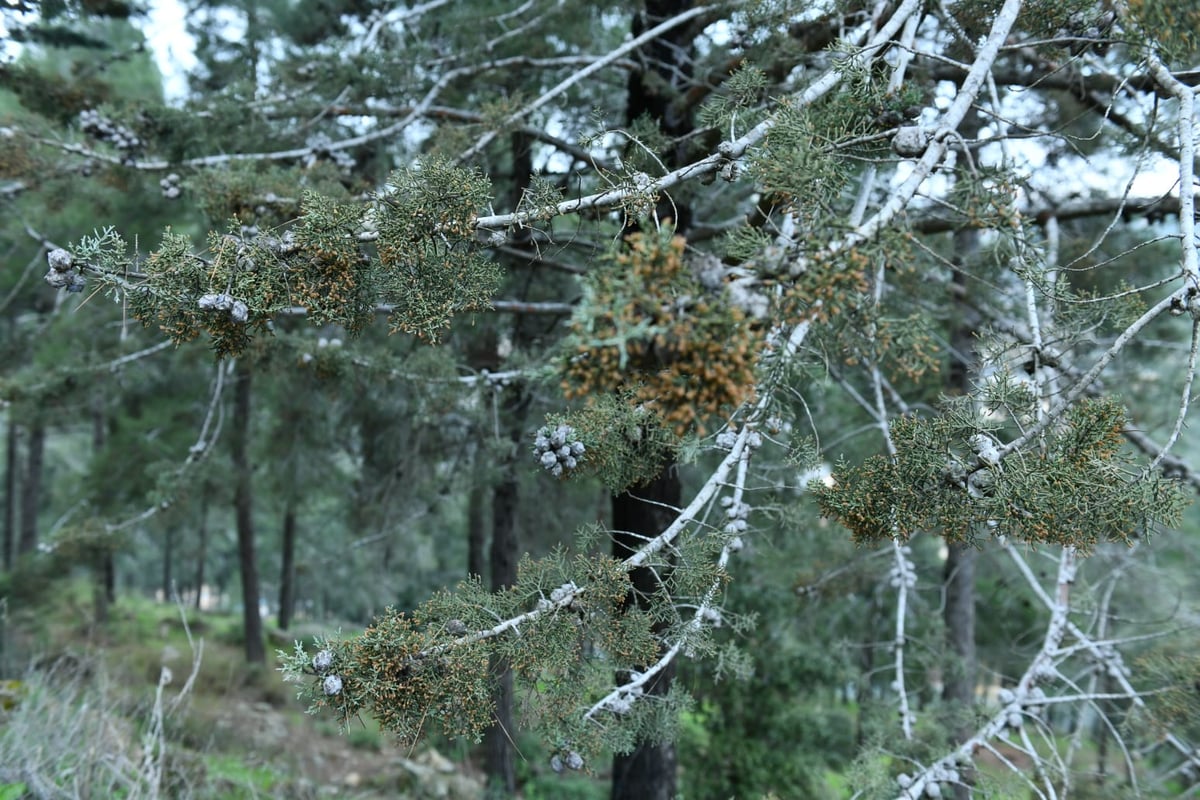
(322, 764)
(273, 749)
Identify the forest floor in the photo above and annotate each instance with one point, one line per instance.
(278, 748)
(78, 715)
(237, 732)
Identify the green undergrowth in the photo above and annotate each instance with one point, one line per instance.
(242, 779)
(240, 733)
(83, 710)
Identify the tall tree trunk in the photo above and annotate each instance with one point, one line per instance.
(505, 552)
(168, 559)
(958, 579)
(102, 591)
(866, 670)
(202, 554)
(381, 473)
(287, 570)
(110, 578)
(483, 353)
(959, 618)
(499, 767)
(10, 490)
(665, 74)
(102, 554)
(476, 536)
(31, 488)
(649, 771)
(1103, 720)
(244, 512)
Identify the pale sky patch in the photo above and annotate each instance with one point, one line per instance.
(173, 47)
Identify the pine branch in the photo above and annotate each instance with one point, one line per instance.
(1041, 668)
(1104, 107)
(1082, 384)
(1170, 465)
(592, 68)
(939, 139)
(621, 698)
(1186, 129)
(394, 18)
(728, 151)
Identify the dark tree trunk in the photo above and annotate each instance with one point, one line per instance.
(482, 354)
(497, 740)
(244, 512)
(287, 571)
(110, 578)
(654, 90)
(102, 555)
(959, 576)
(10, 491)
(202, 549)
(31, 488)
(647, 773)
(505, 551)
(168, 559)
(476, 535)
(499, 766)
(101, 597)
(958, 580)
(657, 89)
(959, 618)
(382, 471)
(866, 669)
(1102, 723)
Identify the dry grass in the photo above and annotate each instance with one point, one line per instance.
(72, 734)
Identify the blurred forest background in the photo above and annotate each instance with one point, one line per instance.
(288, 327)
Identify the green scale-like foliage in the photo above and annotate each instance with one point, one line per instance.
(431, 667)
(429, 267)
(1175, 704)
(627, 442)
(1079, 489)
(1172, 26)
(796, 166)
(388, 673)
(175, 279)
(334, 282)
